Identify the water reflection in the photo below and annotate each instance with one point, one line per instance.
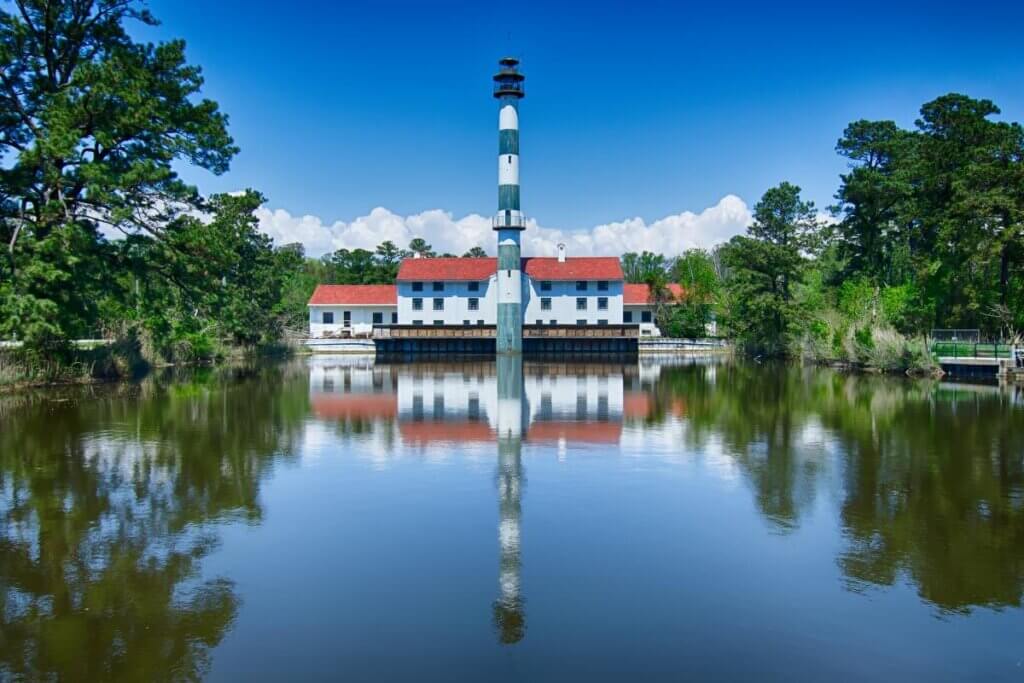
(929, 476)
(112, 501)
(107, 504)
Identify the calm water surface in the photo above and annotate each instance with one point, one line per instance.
(334, 519)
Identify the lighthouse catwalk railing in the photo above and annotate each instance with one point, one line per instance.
(509, 221)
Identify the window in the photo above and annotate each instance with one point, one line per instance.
(545, 303)
(438, 304)
(346, 318)
(545, 286)
(417, 322)
(581, 322)
(552, 322)
(474, 303)
(417, 286)
(417, 304)
(378, 318)
(438, 286)
(627, 316)
(602, 322)
(439, 322)
(581, 303)
(602, 285)
(479, 322)
(394, 318)
(602, 303)
(645, 316)
(540, 322)
(581, 285)
(465, 323)
(474, 286)
(327, 317)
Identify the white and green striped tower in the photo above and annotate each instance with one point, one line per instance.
(509, 221)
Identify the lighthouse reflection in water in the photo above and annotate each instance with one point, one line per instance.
(501, 402)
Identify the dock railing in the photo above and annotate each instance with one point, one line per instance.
(957, 349)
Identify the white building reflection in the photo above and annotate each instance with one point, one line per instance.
(502, 402)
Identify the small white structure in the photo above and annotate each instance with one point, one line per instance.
(351, 310)
(640, 308)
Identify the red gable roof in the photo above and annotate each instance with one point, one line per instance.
(446, 269)
(578, 268)
(354, 295)
(639, 294)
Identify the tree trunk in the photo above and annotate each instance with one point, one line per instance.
(1004, 273)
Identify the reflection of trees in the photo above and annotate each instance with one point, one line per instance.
(759, 416)
(935, 493)
(105, 512)
(933, 477)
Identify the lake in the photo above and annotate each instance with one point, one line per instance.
(331, 518)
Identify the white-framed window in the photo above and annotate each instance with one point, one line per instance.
(602, 322)
(346, 318)
(645, 316)
(417, 322)
(581, 303)
(327, 317)
(602, 303)
(417, 304)
(439, 322)
(438, 303)
(474, 303)
(545, 303)
(378, 318)
(581, 322)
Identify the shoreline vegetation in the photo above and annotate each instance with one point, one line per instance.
(103, 239)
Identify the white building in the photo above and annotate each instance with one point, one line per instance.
(560, 290)
(336, 310)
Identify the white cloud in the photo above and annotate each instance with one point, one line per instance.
(670, 235)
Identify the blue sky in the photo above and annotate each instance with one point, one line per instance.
(634, 109)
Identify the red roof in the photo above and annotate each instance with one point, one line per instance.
(578, 268)
(355, 295)
(636, 295)
(447, 268)
(354, 406)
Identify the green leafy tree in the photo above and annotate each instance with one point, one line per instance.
(475, 252)
(644, 267)
(696, 273)
(764, 267)
(91, 128)
(418, 245)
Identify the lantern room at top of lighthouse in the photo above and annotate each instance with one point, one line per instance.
(508, 82)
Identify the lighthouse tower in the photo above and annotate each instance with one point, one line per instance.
(509, 221)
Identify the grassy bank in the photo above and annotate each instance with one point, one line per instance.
(833, 339)
(124, 359)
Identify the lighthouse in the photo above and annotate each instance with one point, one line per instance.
(509, 221)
